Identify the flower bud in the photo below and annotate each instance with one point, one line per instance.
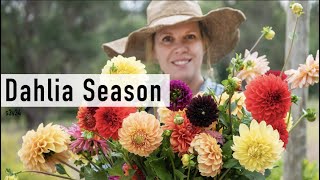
(185, 159)
(294, 99)
(237, 83)
(269, 35)
(88, 134)
(167, 132)
(178, 119)
(297, 8)
(310, 115)
(268, 32)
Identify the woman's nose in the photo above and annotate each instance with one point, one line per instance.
(180, 48)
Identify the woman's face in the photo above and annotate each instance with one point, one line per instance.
(179, 50)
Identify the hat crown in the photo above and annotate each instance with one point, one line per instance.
(161, 9)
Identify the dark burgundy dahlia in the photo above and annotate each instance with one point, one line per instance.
(180, 95)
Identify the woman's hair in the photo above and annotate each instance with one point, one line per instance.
(205, 39)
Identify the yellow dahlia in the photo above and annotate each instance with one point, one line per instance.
(122, 65)
(253, 66)
(44, 148)
(258, 147)
(209, 154)
(239, 98)
(140, 133)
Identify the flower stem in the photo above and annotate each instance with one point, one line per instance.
(297, 122)
(49, 174)
(98, 168)
(230, 118)
(255, 44)
(225, 173)
(70, 166)
(108, 159)
(188, 172)
(288, 55)
(173, 167)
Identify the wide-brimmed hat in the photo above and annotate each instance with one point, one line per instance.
(222, 26)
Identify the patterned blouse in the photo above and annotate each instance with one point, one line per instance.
(208, 83)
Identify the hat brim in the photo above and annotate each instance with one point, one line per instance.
(222, 27)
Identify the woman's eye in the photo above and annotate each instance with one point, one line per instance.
(167, 39)
(191, 36)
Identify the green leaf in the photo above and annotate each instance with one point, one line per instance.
(90, 174)
(226, 149)
(116, 169)
(159, 167)
(60, 169)
(231, 163)
(179, 174)
(253, 175)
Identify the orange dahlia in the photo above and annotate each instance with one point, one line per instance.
(209, 154)
(268, 98)
(86, 118)
(109, 120)
(182, 136)
(44, 148)
(141, 133)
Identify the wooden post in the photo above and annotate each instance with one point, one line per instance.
(296, 148)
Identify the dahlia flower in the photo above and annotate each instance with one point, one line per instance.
(306, 75)
(253, 66)
(180, 95)
(239, 99)
(281, 127)
(182, 135)
(82, 143)
(86, 118)
(109, 120)
(268, 98)
(141, 133)
(163, 113)
(257, 148)
(202, 111)
(277, 73)
(44, 148)
(209, 154)
(122, 65)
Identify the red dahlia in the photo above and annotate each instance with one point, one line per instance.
(268, 98)
(280, 125)
(109, 120)
(277, 73)
(86, 118)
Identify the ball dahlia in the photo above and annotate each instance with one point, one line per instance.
(180, 95)
(141, 133)
(44, 148)
(202, 111)
(209, 154)
(109, 120)
(268, 98)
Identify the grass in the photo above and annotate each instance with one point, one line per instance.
(12, 132)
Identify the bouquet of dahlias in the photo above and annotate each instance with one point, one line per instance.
(239, 134)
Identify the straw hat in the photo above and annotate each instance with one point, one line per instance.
(221, 26)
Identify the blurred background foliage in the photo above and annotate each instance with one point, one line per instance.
(66, 37)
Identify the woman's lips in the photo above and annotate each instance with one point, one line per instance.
(181, 62)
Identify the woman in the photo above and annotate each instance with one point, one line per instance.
(179, 37)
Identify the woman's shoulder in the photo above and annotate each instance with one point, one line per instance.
(209, 84)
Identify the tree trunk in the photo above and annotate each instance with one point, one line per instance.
(296, 148)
